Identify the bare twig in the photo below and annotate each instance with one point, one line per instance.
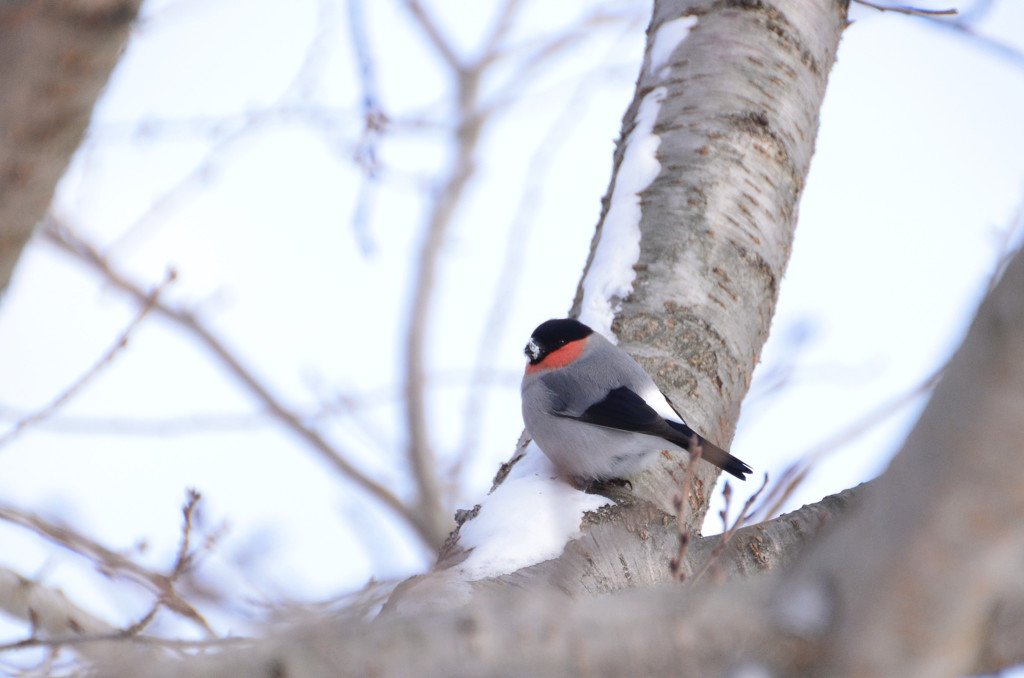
(541, 51)
(194, 179)
(421, 456)
(320, 117)
(433, 33)
(107, 561)
(182, 563)
(68, 242)
(336, 404)
(147, 303)
(373, 126)
(905, 9)
(1002, 49)
(188, 424)
(317, 54)
(467, 134)
(230, 131)
(680, 501)
(727, 504)
(183, 559)
(963, 26)
(139, 626)
(503, 22)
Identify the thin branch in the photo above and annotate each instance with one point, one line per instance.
(335, 404)
(182, 563)
(467, 135)
(189, 182)
(723, 515)
(189, 424)
(500, 28)
(310, 114)
(542, 51)
(68, 242)
(420, 454)
(240, 127)
(430, 28)
(107, 561)
(680, 502)
(147, 302)
(905, 9)
(364, 59)
(961, 26)
(317, 54)
(374, 123)
(183, 559)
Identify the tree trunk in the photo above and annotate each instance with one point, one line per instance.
(55, 58)
(737, 127)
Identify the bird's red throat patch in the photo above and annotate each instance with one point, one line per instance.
(559, 358)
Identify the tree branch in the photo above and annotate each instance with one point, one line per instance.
(906, 9)
(69, 243)
(55, 58)
(467, 134)
(910, 583)
(109, 562)
(97, 367)
(442, 45)
(46, 610)
(633, 546)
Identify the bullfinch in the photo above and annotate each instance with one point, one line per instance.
(595, 412)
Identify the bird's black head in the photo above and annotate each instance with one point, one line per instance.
(552, 335)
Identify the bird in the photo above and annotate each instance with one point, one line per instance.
(596, 413)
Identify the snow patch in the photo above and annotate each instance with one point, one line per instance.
(528, 519)
(668, 37)
(610, 276)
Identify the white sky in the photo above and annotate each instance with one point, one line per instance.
(918, 169)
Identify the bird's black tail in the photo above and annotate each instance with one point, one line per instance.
(710, 452)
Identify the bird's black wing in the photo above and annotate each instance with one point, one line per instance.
(625, 410)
